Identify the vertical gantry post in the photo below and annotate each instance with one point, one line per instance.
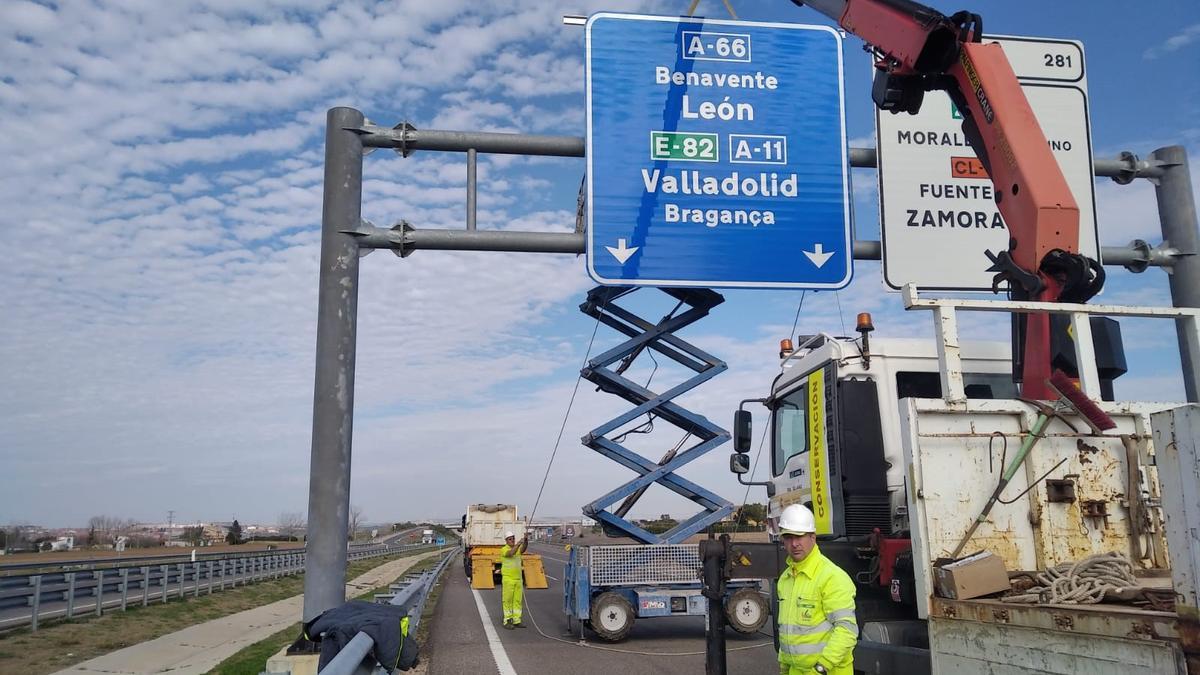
(644, 335)
(1177, 217)
(333, 396)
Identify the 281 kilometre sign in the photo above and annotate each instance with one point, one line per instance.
(937, 209)
(716, 154)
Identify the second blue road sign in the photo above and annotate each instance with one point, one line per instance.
(716, 154)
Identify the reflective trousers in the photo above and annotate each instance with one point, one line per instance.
(511, 598)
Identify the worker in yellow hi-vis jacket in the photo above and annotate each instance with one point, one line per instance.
(817, 627)
(510, 578)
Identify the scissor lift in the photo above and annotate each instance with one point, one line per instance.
(607, 587)
(660, 337)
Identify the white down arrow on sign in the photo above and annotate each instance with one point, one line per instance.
(818, 257)
(621, 253)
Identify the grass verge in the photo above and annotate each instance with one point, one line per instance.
(60, 644)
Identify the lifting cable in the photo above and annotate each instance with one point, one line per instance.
(563, 427)
(796, 321)
(758, 455)
(837, 295)
(728, 7)
(643, 429)
(767, 427)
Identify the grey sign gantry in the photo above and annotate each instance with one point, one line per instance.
(344, 236)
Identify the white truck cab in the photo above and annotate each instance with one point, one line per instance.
(827, 384)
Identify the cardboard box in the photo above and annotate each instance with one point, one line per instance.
(971, 577)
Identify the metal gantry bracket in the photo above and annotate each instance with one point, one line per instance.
(600, 370)
(945, 310)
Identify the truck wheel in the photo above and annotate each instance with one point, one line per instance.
(612, 616)
(746, 610)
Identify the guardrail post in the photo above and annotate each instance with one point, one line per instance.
(210, 577)
(165, 573)
(195, 580)
(145, 586)
(99, 592)
(124, 588)
(37, 601)
(182, 577)
(70, 594)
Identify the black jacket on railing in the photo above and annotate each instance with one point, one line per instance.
(387, 625)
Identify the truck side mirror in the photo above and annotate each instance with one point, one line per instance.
(739, 463)
(742, 423)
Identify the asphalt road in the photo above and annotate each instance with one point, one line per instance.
(459, 641)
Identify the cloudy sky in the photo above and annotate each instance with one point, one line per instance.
(161, 196)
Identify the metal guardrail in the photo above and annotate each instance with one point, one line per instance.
(410, 594)
(112, 562)
(78, 593)
(115, 562)
(183, 554)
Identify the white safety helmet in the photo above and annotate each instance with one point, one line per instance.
(510, 533)
(797, 519)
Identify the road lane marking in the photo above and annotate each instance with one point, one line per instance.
(551, 578)
(498, 654)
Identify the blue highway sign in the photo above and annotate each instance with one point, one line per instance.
(716, 154)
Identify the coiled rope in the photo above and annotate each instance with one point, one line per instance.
(1084, 582)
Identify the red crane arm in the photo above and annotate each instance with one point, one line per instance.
(919, 49)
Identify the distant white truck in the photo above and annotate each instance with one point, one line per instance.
(63, 544)
(484, 527)
(427, 537)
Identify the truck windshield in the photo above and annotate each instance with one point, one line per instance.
(790, 422)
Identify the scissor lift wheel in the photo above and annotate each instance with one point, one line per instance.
(612, 616)
(746, 610)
